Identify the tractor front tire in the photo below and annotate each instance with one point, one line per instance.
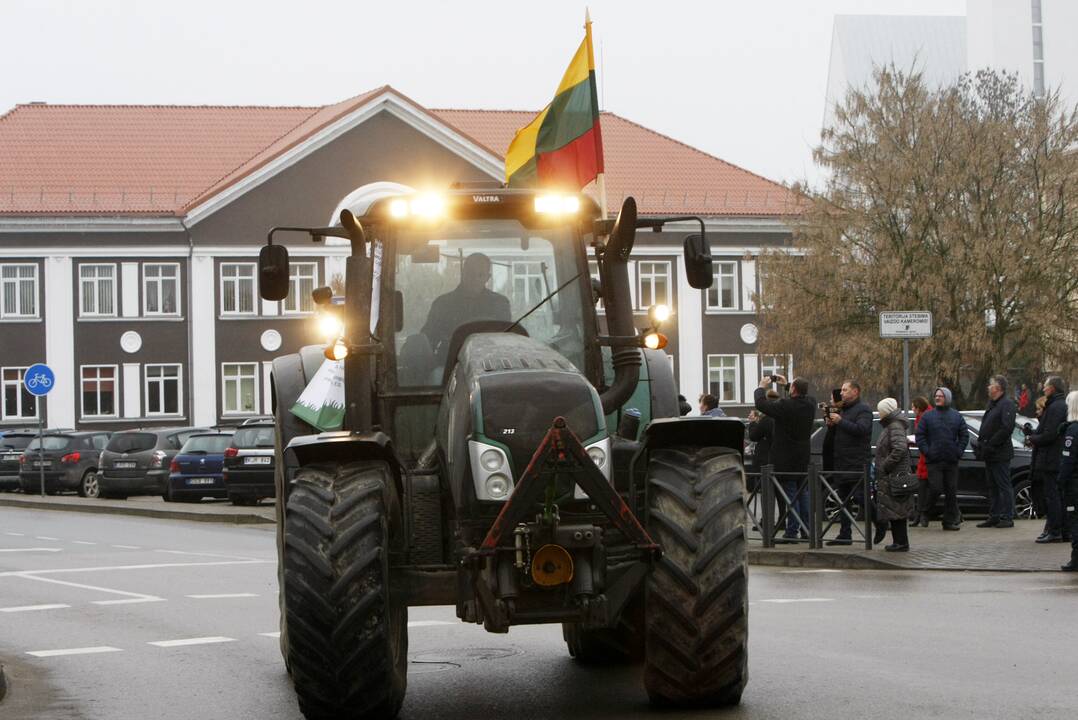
(347, 639)
(696, 630)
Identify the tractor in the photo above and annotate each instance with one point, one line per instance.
(511, 445)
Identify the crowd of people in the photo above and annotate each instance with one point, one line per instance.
(782, 425)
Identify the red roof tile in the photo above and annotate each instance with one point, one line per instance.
(164, 160)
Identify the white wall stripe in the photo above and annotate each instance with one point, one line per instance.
(132, 391)
(129, 286)
(751, 376)
(59, 344)
(203, 374)
(689, 306)
(267, 391)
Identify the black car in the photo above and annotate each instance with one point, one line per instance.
(66, 461)
(135, 462)
(12, 443)
(249, 463)
(195, 472)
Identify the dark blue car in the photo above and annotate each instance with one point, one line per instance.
(195, 472)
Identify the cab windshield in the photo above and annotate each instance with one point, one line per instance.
(492, 270)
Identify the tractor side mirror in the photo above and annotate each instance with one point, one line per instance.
(623, 234)
(273, 272)
(698, 261)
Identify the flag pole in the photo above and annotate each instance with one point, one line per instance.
(600, 178)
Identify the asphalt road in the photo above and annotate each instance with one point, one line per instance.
(125, 618)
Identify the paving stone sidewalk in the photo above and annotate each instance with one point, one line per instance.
(931, 548)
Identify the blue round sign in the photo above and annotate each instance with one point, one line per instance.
(39, 379)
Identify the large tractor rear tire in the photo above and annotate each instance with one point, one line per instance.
(697, 603)
(347, 639)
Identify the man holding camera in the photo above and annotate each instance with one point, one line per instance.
(994, 447)
(849, 430)
(790, 450)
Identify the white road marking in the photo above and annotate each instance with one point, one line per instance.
(82, 542)
(14, 534)
(128, 601)
(782, 601)
(147, 566)
(141, 596)
(74, 651)
(428, 623)
(272, 634)
(31, 608)
(127, 547)
(191, 641)
(7, 550)
(222, 596)
(202, 554)
(44, 537)
(1053, 587)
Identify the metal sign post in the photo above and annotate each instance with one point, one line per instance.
(38, 380)
(906, 324)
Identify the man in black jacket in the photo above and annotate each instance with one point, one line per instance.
(1047, 445)
(995, 448)
(850, 432)
(790, 450)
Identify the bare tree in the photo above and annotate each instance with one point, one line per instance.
(961, 200)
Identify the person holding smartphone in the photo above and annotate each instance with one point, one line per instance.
(790, 449)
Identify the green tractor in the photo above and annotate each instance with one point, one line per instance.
(511, 446)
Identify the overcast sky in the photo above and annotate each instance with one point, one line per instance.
(742, 80)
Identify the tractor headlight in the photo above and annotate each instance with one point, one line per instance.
(557, 204)
(491, 473)
(658, 314)
(330, 326)
(428, 206)
(497, 486)
(599, 452)
(491, 460)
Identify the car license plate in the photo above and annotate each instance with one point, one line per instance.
(42, 463)
(11, 457)
(257, 460)
(125, 464)
(200, 481)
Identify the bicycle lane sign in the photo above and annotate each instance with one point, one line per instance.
(39, 379)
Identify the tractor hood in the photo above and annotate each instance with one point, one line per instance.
(506, 391)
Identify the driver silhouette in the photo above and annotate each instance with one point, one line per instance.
(468, 302)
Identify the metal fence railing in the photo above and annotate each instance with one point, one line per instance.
(832, 495)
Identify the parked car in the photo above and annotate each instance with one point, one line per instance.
(249, 463)
(12, 444)
(972, 483)
(69, 461)
(195, 472)
(135, 462)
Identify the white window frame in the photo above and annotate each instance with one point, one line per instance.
(160, 380)
(115, 391)
(651, 276)
(158, 282)
(770, 367)
(236, 280)
(532, 270)
(238, 377)
(294, 281)
(737, 377)
(94, 282)
(17, 281)
(716, 285)
(4, 382)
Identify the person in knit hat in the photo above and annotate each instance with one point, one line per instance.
(942, 437)
(895, 483)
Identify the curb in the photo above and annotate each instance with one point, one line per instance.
(815, 559)
(209, 517)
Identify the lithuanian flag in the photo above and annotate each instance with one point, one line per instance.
(563, 145)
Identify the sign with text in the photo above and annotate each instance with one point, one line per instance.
(906, 324)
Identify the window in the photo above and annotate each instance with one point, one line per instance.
(18, 402)
(161, 289)
(97, 290)
(19, 291)
(723, 377)
(773, 365)
(98, 390)
(301, 281)
(240, 382)
(163, 393)
(528, 285)
(722, 295)
(653, 284)
(237, 288)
